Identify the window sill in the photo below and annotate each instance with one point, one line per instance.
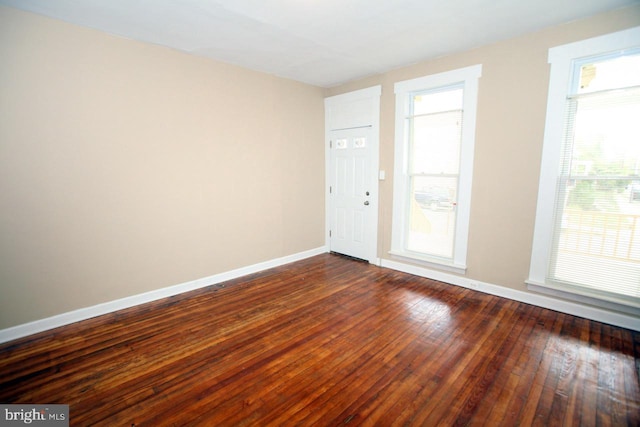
(429, 262)
(585, 296)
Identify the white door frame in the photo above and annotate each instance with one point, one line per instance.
(356, 109)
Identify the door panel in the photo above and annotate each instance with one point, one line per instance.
(352, 187)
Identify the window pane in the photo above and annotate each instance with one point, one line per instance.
(437, 101)
(606, 134)
(433, 167)
(435, 143)
(432, 216)
(608, 74)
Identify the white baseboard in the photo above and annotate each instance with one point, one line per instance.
(617, 319)
(575, 309)
(41, 325)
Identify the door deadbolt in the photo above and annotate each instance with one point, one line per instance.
(366, 203)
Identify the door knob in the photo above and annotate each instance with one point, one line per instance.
(366, 203)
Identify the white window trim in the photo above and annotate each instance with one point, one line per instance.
(469, 77)
(561, 59)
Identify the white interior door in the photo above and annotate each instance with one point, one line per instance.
(352, 192)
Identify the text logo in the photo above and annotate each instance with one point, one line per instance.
(37, 415)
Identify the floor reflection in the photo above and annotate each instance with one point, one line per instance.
(424, 309)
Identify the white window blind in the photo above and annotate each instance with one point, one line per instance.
(597, 220)
(593, 245)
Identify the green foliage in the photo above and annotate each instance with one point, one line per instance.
(598, 194)
(583, 196)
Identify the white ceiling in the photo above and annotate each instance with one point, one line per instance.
(320, 42)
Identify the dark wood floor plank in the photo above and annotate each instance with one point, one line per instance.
(330, 341)
(572, 383)
(286, 337)
(414, 362)
(365, 341)
(495, 374)
(590, 356)
(631, 373)
(506, 403)
(462, 377)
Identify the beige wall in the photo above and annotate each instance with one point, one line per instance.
(127, 167)
(509, 134)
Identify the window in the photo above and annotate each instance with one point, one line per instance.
(435, 130)
(587, 233)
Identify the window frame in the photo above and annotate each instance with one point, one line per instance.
(562, 60)
(468, 77)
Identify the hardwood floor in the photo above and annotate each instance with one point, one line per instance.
(331, 341)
